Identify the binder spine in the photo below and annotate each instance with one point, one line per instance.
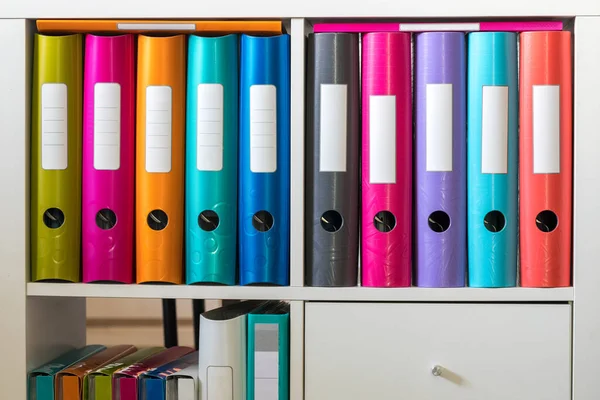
(108, 158)
(440, 159)
(264, 177)
(386, 160)
(546, 160)
(56, 157)
(211, 160)
(160, 158)
(492, 154)
(332, 165)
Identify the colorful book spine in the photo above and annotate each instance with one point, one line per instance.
(440, 185)
(264, 169)
(332, 165)
(108, 158)
(160, 158)
(492, 155)
(386, 228)
(545, 159)
(56, 157)
(211, 160)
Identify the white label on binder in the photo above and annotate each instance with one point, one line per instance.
(263, 128)
(219, 383)
(209, 127)
(54, 126)
(494, 130)
(185, 389)
(333, 132)
(546, 129)
(382, 139)
(266, 361)
(158, 128)
(107, 126)
(438, 123)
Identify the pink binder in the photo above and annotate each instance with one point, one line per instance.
(108, 158)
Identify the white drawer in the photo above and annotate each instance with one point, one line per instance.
(375, 351)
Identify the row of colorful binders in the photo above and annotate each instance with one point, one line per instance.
(478, 194)
(146, 146)
(243, 355)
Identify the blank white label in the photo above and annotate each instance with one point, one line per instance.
(263, 128)
(54, 126)
(438, 122)
(186, 389)
(220, 383)
(494, 130)
(266, 361)
(107, 126)
(546, 129)
(209, 129)
(158, 128)
(333, 133)
(382, 139)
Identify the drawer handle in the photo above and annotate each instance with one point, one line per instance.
(437, 370)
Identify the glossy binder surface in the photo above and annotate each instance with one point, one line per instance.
(264, 191)
(386, 226)
(183, 385)
(160, 158)
(108, 158)
(507, 26)
(56, 157)
(546, 160)
(212, 160)
(332, 166)
(154, 382)
(440, 185)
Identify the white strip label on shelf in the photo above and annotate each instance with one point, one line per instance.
(209, 129)
(263, 128)
(155, 27)
(266, 361)
(546, 129)
(55, 125)
(219, 383)
(158, 128)
(333, 130)
(382, 139)
(494, 130)
(107, 126)
(440, 27)
(438, 124)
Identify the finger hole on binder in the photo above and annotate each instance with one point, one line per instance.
(54, 218)
(384, 221)
(494, 221)
(439, 221)
(157, 220)
(331, 221)
(208, 220)
(262, 221)
(106, 219)
(546, 221)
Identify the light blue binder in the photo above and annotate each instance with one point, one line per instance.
(268, 352)
(492, 154)
(211, 160)
(264, 208)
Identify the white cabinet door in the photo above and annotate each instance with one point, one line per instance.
(369, 351)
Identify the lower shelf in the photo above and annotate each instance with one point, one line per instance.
(412, 294)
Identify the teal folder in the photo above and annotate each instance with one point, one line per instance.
(41, 380)
(269, 352)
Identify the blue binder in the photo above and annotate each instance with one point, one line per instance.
(492, 154)
(153, 383)
(264, 209)
(211, 160)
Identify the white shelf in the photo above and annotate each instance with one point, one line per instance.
(411, 294)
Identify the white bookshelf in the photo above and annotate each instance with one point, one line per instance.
(41, 320)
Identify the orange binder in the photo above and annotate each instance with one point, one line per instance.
(160, 158)
(546, 161)
(141, 26)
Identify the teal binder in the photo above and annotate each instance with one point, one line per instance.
(41, 380)
(269, 352)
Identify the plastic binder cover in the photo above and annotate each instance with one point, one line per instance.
(154, 382)
(160, 158)
(56, 157)
(492, 155)
(108, 158)
(264, 208)
(183, 385)
(211, 160)
(41, 380)
(332, 167)
(441, 240)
